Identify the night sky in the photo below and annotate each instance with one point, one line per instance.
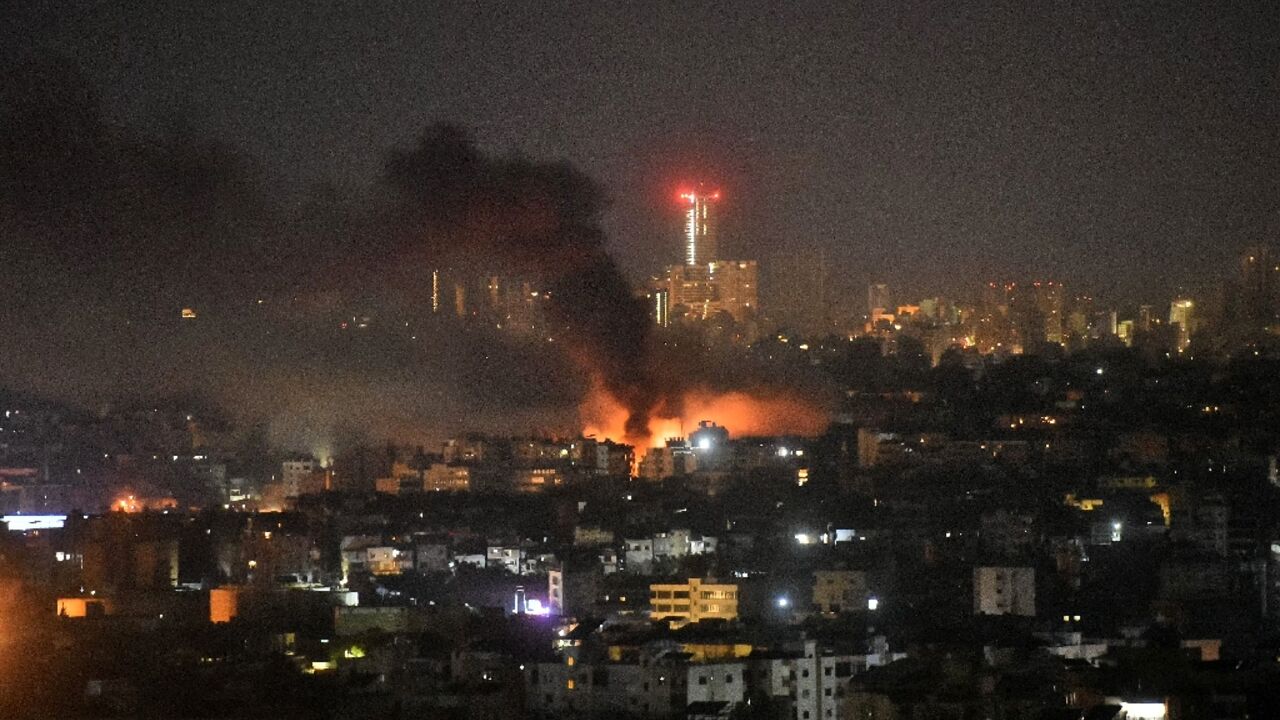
(1127, 148)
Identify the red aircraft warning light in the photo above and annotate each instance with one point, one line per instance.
(692, 196)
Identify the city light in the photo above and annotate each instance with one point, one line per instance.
(23, 523)
(527, 350)
(127, 504)
(1144, 710)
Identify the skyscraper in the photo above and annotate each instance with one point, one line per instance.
(661, 307)
(737, 287)
(1260, 287)
(706, 285)
(1182, 319)
(700, 231)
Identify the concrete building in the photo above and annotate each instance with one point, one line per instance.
(836, 591)
(295, 475)
(1004, 591)
(808, 684)
(638, 555)
(693, 601)
(661, 684)
(675, 459)
(442, 477)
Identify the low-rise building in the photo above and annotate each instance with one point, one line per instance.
(693, 601)
(1004, 591)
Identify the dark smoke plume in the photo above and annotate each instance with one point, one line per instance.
(106, 233)
(537, 220)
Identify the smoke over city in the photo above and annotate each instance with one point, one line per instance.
(315, 313)
(460, 208)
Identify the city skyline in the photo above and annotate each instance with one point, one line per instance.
(701, 361)
(1017, 156)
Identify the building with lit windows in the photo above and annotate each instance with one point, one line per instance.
(705, 287)
(1182, 319)
(661, 307)
(700, 226)
(693, 601)
(737, 288)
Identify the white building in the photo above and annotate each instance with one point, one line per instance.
(812, 682)
(638, 557)
(508, 557)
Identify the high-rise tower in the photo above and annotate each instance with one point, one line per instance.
(700, 226)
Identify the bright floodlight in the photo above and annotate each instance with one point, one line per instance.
(783, 452)
(705, 443)
(783, 602)
(873, 603)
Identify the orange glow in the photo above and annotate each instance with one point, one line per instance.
(129, 504)
(133, 504)
(741, 412)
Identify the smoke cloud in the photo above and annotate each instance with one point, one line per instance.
(535, 220)
(109, 233)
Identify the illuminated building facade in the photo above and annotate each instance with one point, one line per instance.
(661, 307)
(696, 293)
(694, 601)
(700, 236)
(705, 287)
(1182, 319)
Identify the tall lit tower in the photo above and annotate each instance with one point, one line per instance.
(700, 226)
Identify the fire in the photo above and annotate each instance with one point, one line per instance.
(130, 503)
(127, 504)
(742, 413)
